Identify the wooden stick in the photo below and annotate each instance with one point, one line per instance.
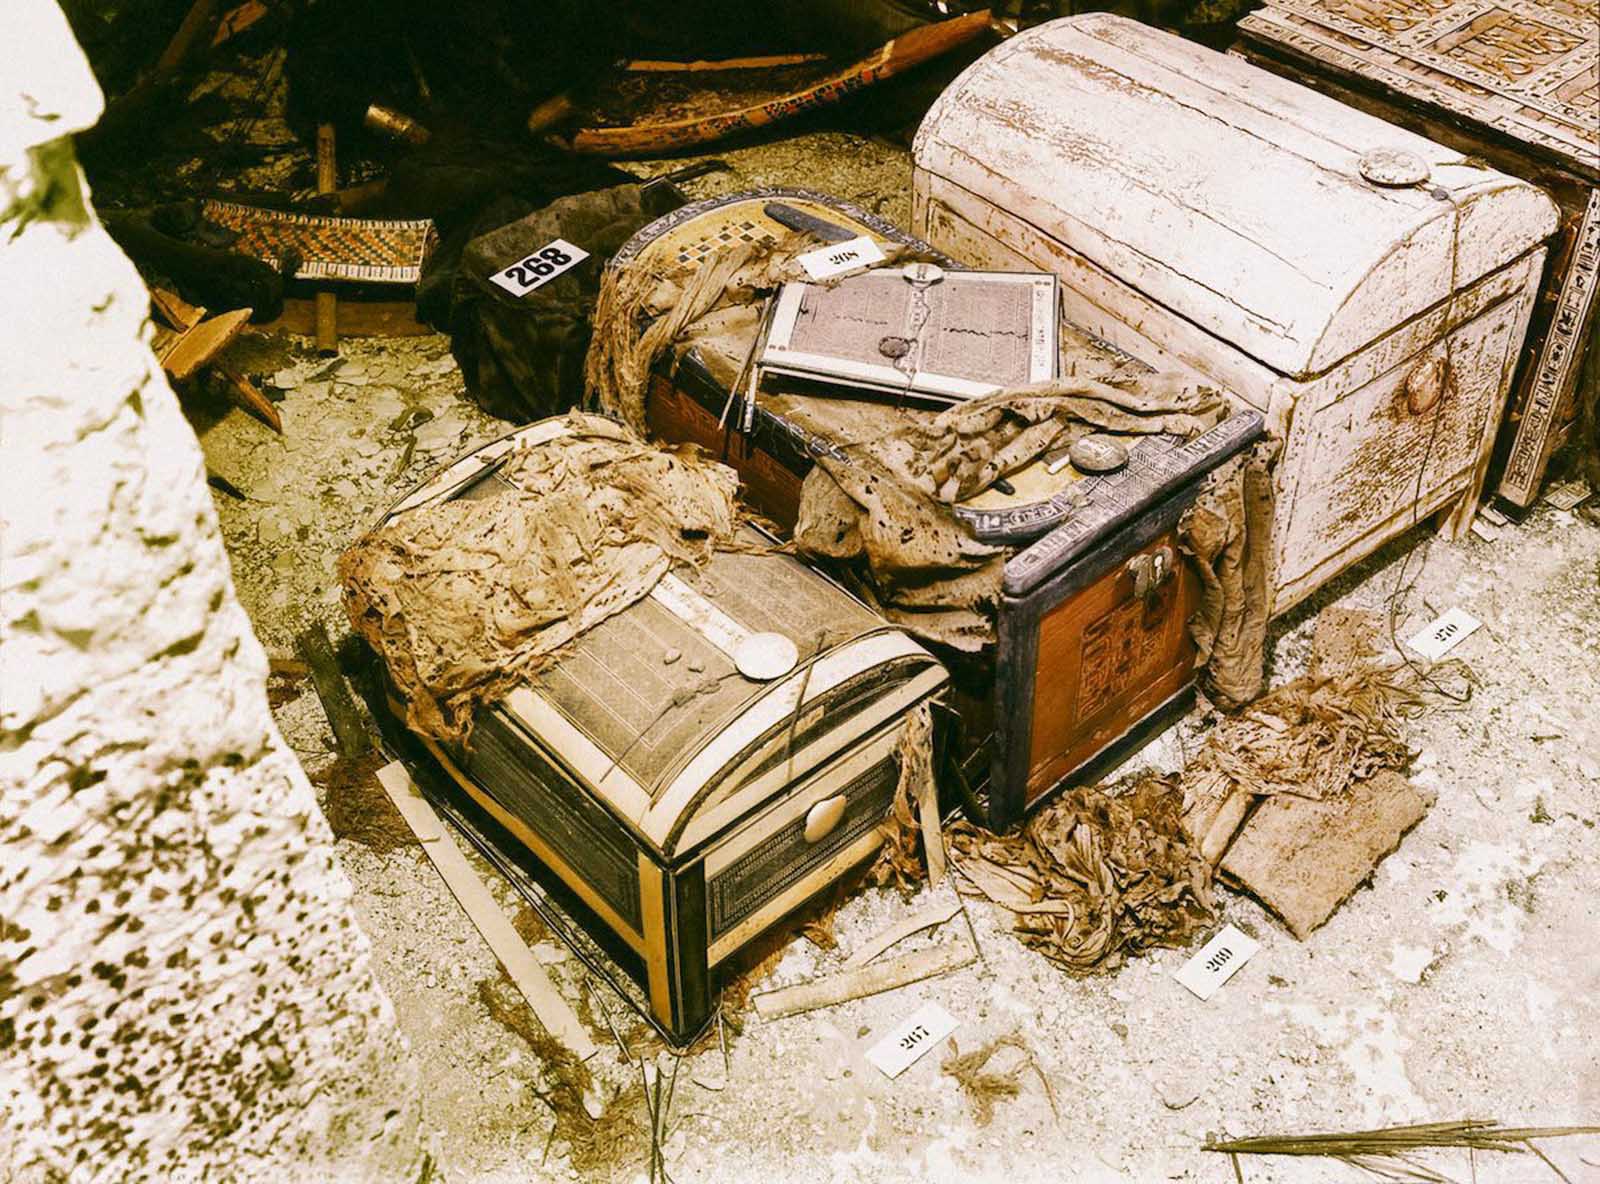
(655, 66)
(934, 914)
(247, 395)
(549, 1008)
(863, 981)
(194, 23)
(327, 182)
(349, 736)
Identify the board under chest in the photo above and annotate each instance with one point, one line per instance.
(1516, 83)
(1367, 289)
(1086, 651)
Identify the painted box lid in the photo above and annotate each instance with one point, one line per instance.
(686, 711)
(1285, 223)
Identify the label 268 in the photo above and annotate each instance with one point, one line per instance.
(540, 267)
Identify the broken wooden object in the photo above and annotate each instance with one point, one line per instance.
(1302, 858)
(551, 1010)
(647, 121)
(193, 342)
(865, 980)
(925, 918)
(183, 350)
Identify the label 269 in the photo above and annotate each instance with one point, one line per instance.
(540, 267)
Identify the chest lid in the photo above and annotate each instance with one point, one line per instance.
(1292, 227)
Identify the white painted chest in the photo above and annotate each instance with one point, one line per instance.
(1365, 288)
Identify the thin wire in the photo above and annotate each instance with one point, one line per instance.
(1402, 588)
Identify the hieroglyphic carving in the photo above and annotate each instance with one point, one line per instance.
(1527, 67)
(1558, 362)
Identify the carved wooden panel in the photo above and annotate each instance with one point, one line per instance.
(1529, 68)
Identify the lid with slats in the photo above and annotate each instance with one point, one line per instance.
(1263, 212)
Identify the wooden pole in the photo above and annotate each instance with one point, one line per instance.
(327, 182)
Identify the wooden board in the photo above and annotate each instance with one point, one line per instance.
(657, 110)
(554, 1013)
(192, 348)
(357, 318)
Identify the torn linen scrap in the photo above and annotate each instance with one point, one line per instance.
(889, 500)
(466, 598)
(1095, 875)
(1228, 534)
(913, 819)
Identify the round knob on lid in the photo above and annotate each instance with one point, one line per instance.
(1393, 168)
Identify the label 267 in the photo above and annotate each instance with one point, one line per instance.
(540, 267)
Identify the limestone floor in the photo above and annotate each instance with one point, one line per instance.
(1464, 980)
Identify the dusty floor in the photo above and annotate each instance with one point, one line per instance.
(1463, 981)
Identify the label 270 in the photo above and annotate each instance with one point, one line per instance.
(540, 267)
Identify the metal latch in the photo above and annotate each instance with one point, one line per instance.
(1149, 571)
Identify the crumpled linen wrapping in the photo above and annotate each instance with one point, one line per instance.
(1228, 533)
(642, 314)
(465, 599)
(1098, 874)
(890, 499)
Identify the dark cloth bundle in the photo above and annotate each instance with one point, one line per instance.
(523, 356)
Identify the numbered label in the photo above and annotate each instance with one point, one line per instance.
(827, 262)
(1217, 961)
(901, 1048)
(1443, 635)
(541, 267)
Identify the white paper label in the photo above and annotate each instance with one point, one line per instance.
(838, 258)
(541, 267)
(1443, 635)
(901, 1048)
(1485, 530)
(1569, 495)
(1217, 961)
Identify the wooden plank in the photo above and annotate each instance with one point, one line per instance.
(653, 66)
(327, 182)
(357, 318)
(194, 23)
(247, 396)
(551, 1010)
(349, 733)
(934, 914)
(864, 981)
(201, 343)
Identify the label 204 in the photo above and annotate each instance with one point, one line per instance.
(540, 267)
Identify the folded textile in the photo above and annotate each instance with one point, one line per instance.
(889, 499)
(466, 598)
